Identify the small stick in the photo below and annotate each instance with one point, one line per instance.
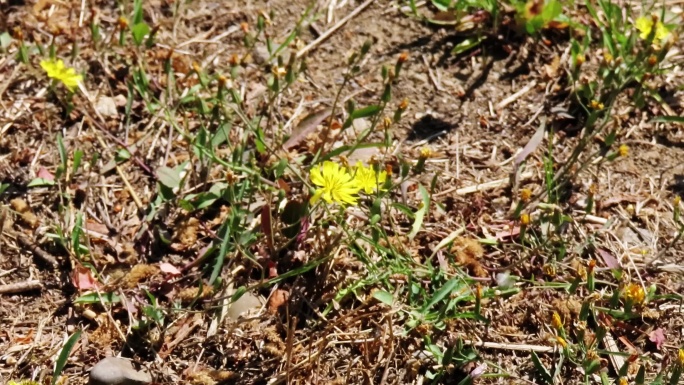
(20, 287)
(334, 28)
(482, 186)
(37, 251)
(521, 347)
(516, 95)
(135, 197)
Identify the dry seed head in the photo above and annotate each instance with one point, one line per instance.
(278, 71)
(593, 189)
(387, 122)
(582, 272)
(652, 60)
(234, 60)
(18, 34)
(344, 161)
(525, 195)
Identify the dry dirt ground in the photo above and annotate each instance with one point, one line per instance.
(458, 106)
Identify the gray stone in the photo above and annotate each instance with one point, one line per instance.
(117, 371)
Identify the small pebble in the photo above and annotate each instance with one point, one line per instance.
(117, 371)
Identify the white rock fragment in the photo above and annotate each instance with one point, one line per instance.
(117, 371)
(106, 106)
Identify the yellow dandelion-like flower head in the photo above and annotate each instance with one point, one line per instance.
(56, 69)
(335, 184)
(645, 25)
(367, 179)
(634, 293)
(680, 357)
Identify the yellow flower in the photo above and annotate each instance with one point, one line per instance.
(561, 341)
(524, 219)
(22, 382)
(56, 70)
(645, 25)
(680, 357)
(336, 185)
(623, 150)
(596, 105)
(525, 195)
(367, 179)
(634, 293)
(556, 321)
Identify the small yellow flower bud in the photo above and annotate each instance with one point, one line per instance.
(623, 150)
(524, 219)
(596, 105)
(561, 341)
(525, 195)
(556, 321)
(122, 22)
(404, 104)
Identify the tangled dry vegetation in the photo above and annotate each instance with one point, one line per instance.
(338, 191)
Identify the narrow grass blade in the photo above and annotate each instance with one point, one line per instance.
(543, 373)
(420, 214)
(64, 355)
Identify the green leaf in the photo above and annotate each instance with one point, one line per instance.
(3, 187)
(442, 5)
(91, 298)
(420, 214)
(543, 373)
(668, 119)
(384, 297)
(139, 31)
(170, 177)
(64, 355)
(41, 182)
(365, 112)
(442, 293)
(467, 45)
